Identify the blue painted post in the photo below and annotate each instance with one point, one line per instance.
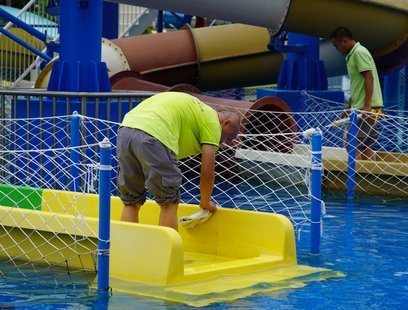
(74, 153)
(316, 190)
(104, 214)
(110, 17)
(160, 21)
(79, 68)
(352, 141)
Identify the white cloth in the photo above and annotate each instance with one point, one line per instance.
(190, 221)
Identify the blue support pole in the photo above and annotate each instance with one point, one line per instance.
(352, 142)
(316, 190)
(74, 154)
(110, 25)
(160, 20)
(104, 215)
(79, 68)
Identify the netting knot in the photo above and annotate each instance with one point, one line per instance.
(103, 252)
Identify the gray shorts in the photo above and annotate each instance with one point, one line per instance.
(367, 134)
(145, 162)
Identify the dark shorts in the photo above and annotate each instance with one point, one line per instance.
(144, 162)
(367, 134)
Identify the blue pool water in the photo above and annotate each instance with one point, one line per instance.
(366, 240)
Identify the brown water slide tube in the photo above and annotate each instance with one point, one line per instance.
(210, 58)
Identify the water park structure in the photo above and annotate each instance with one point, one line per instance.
(273, 42)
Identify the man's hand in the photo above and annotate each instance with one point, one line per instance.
(211, 206)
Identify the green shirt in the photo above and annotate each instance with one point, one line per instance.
(359, 60)
(180, 121)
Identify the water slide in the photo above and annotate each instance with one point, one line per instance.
(236, 55)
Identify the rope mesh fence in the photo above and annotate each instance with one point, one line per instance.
(49, 166)
(44, 177)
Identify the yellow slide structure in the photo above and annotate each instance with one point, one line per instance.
(232, 251)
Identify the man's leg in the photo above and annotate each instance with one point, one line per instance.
(368, 154)
(130, 213)
(366, 138)
(168, 215)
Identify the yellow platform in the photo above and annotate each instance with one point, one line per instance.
(232, 252)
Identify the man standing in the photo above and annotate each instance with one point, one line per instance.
(152, 138)
(364, 87)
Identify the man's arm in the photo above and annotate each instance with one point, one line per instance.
(207, 177)
(368, 89)
(346, 112)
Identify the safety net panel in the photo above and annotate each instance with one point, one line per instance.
(49, 179)
(381, 172)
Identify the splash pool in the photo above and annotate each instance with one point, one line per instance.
(366, 240)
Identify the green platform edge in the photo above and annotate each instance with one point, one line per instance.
(20, 196)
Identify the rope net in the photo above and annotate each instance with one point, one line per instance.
(49, 166)
(386, 174)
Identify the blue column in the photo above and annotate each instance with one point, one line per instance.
(79, 68)
(302, 69)
(352, 142)
(160, 21)
(104, 215)
(110, 17)
(316, 190)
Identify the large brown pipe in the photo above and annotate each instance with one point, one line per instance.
(210, 58)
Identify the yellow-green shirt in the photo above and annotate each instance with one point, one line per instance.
(178, 120)
(359, 60)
